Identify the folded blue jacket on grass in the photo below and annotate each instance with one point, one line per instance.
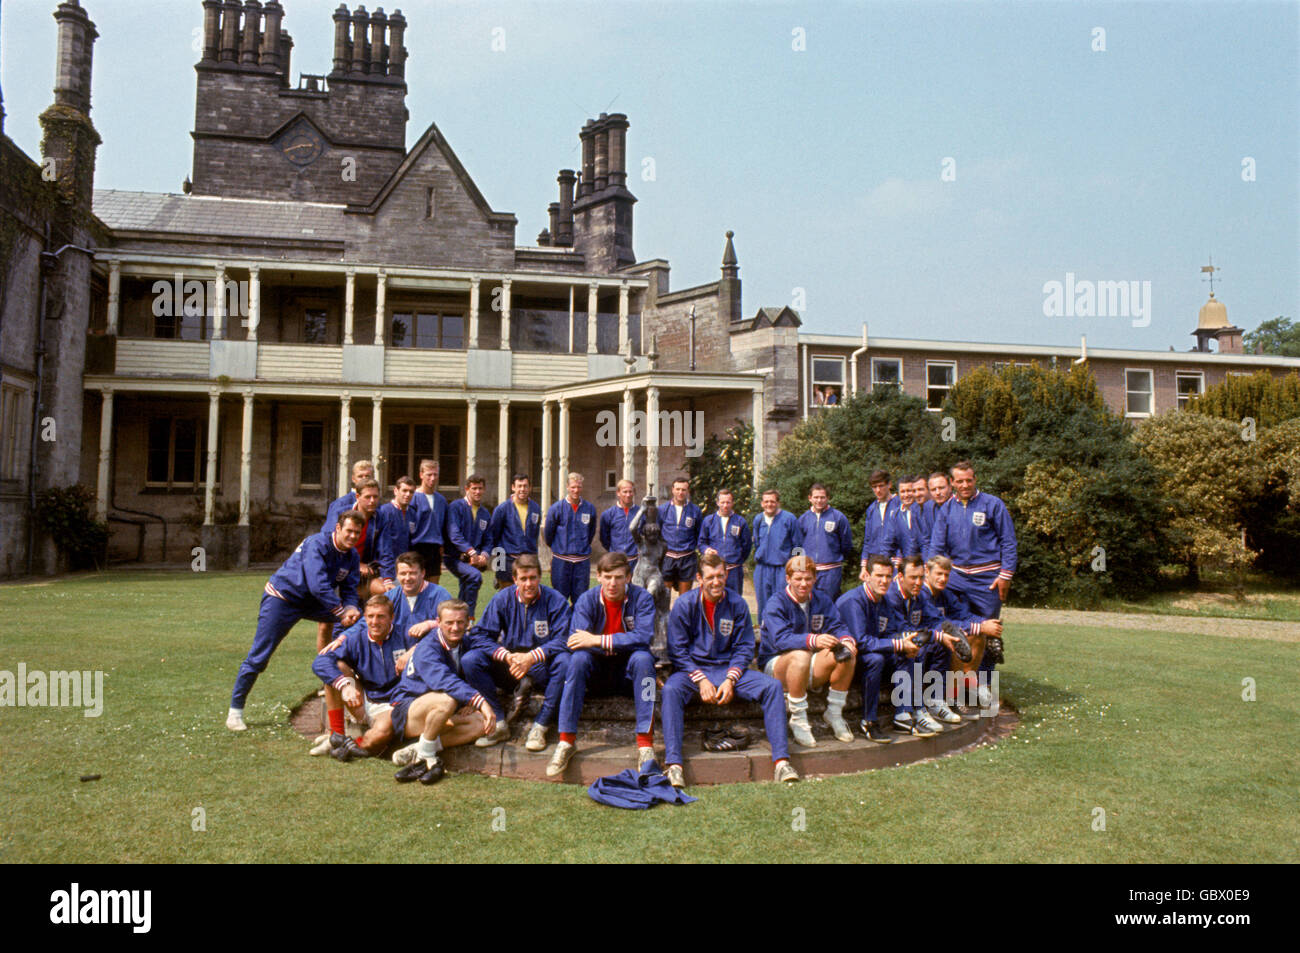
(637, 791)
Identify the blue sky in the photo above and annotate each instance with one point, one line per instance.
(1122, 164)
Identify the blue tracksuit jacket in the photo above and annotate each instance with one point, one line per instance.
(773, 546)
(427, 601)
(827, 538)
(946, 605)
(638, 620)
(867, 619)
(693, 646)
(614, 534)
(373, 662)
(733, 546)
(509, 535)
(570, 533)
(337, 508)
(429, 519)
(433, 667)
(977, 536)
(465, 532)
(903, 535)
(540, 629)
(393, 529)
(910, 615)
(786, 626)
(317, 577)
(681, 538)
(876, 528)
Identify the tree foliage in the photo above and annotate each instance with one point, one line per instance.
(1278, 335)
(726, 461)
(67, 515)
(1262, 397)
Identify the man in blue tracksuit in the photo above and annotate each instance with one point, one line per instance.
(679, 526)
(827, 540)
(433, 702)
(940, 492)
(394, 525)
(974, 530)
(726, 533)
(973, 698)
(415, 599)
(776, 535)
(528, 624)
(915, 711)
(467, 546)
(710, 644)
(516, 526)
(866, 616)
(430, 508)
(903, 534)
(805, 645)
(613, 624)
(615, 523)
(570, 528)
(361, 470)
(362, 665)
(318, 581)
(879, 518)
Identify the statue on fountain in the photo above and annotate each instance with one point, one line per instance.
(644, 528)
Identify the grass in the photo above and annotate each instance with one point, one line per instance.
(1219, 601)
(1151, 727)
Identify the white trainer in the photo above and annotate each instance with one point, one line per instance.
(675, 776)
(560, 760)
(235, 720)
(644, 756)
(321, 745)
(404, 756)
(499, 734)
(802, 733)
(837, 726)
(536, 740)
(945, 714)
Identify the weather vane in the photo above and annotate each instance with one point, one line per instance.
(1210, 270)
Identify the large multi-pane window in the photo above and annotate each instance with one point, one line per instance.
(177, 453)
(1139, 393)
(886, 372)
(1190, 384)
(940, 376)
(827, 381)
(422, 329)
(409, 443)
(15, 419)
(311, 455)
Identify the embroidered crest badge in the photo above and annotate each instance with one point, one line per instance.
(724, 627)
(977, 517)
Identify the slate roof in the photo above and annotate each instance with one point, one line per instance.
(208, 215)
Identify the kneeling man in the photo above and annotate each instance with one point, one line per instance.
(610, 643)
(527, 624)
(433, 701)
(711, 643)
(805, 645)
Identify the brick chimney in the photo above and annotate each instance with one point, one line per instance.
(70, 139)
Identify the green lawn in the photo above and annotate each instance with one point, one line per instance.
(1150, 727)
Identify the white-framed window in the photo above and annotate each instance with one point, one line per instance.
(1190, 384)
(1140, 393)
(827, 381)
(887, 372)
(15, 421)
(415, 329)
(940, 376)
(178, 453)
(409, 443)
(611, 480)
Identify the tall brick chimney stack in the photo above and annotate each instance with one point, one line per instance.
(601, 136)
(229, 31)
(360, 45)
(616, 131)
(252, 28)
(70, 138)
(342, 43)
(729, 287)
(585, 184)
(564, 221)
(211, 30)
(378, 48)
(396, 52)
(602, 214)
(269, 54)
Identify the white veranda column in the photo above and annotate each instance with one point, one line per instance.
(473, 313)
(652, 439)
(592, 304)
(376, 431)
(758, 436)
(471, 437)
(209, 491)
(381, 290)
(345, 433)
(105, 455)
(349, 305)
(564, 440)
(245, 457)
(503, 450)
(505, 314)
(629, 462)
(114, 295)
(548, 457)
(254, 301)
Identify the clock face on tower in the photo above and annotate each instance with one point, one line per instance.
(302, 144)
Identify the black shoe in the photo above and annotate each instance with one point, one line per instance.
(873, 733)
(962, 650)
(993, 649)
(842, 652)
(434, 772)
(349, 750)
(520, 699)
(336, 739)
(412, 772)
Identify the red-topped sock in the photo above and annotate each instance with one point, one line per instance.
(645, 739)
(336, 720)
(569, 736)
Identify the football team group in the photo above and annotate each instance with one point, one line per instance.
(419, 672)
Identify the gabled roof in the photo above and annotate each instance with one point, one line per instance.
(783, 317)
(197, 215)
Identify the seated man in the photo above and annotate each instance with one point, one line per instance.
(363, 667)
(610, 642)
(434, 703)
(908, 613)
(528, 623)
(942, 602)
(369, 581)
(726, 533)
(319, 582)
(711, 643)
(467, 540)
(866, 616)
(805, 645)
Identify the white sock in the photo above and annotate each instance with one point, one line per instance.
(798, 708)
(835, 700)
(235, 713)
(428, 750)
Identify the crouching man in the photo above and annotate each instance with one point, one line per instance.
(805, 645)
(527, 623)
(609, 652)
(433, 701)
(711, 643)
(363, 666)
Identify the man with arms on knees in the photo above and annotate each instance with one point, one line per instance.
(516, 525)
(570, 528)
(318, 581)
(944, 604)
(363, 667)
(679, 526)
(711, 643)
(430, 508)
(612, 626)
(805, 645)
(468, 541)
(726, 533)
(776, 535)
(615, 524)
(434, 703)
(910, 612)
(974, 530)
(528, 624)
(827, 540)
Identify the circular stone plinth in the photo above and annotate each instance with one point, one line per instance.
(607, 747)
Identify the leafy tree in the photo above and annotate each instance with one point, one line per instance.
(726, 461)
(1272, 517)
(67, 516)
(1276, 336)
(1263, 397)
